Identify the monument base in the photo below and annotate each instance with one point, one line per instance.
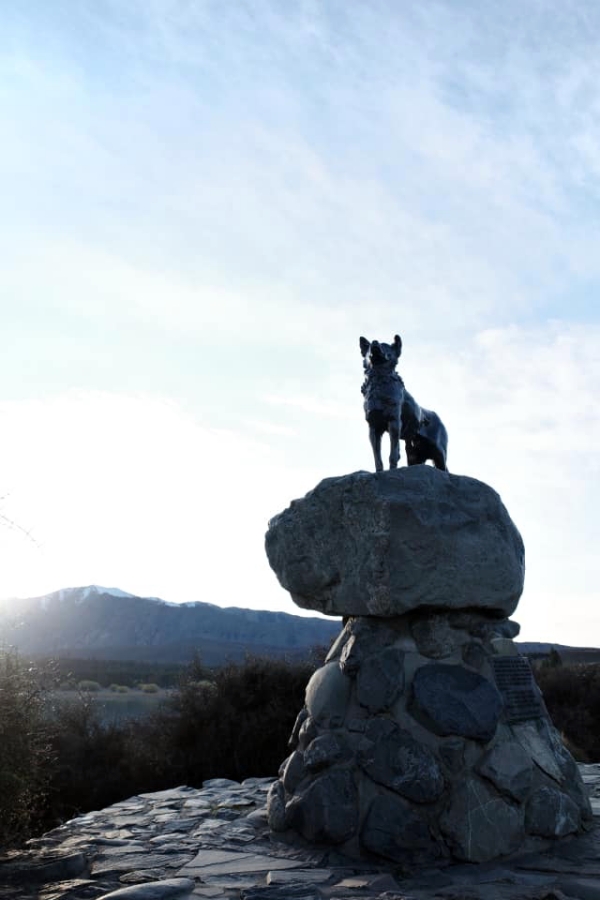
(424, 736)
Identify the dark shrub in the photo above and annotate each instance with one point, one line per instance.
(149, 688)
(232, 723)
(572, 695)
(25, 755)
(240, 727)
(90, 768)
(87, 685)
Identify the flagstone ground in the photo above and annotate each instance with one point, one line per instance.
(214, 842)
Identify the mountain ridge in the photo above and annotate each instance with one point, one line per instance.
(109, 623)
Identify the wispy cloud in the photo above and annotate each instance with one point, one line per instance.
(230, 164)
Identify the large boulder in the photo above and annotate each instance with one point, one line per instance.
(384, 544)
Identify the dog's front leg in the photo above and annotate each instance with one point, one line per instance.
(375, 438)
(394, 430)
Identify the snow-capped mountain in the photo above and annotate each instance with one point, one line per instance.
(109, 623)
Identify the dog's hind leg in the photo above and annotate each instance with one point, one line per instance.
(394, 430)
(375, 438)
(439, 460)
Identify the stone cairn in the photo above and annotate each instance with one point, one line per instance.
(424, 736)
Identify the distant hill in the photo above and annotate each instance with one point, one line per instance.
(568, 655)
(107, 623)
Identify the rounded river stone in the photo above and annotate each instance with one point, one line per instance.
(327, 810)
(393, 758)
(276, 806)
(550, 813)
(392, 829)
(294, 771)
(327, 695)
(453, 700)
(383, 544)
(322, 752)
(509, 769)
(380, 679)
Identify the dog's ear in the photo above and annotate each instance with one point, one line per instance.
(397, 344)
(364, 346)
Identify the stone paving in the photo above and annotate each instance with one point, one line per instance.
(214, 842)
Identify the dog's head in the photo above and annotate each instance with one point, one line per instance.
(379, 354)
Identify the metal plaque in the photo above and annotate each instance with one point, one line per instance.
(514, 680)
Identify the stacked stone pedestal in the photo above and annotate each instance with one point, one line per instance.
(424, 736)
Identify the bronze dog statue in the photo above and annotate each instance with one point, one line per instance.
(389, 407)
(383, 390)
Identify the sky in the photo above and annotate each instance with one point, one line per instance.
(206, 204)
